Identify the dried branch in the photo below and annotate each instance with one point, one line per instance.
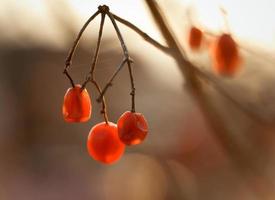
(95, 57)
(91, 76)
(127, 58)
(181, 56)
(181, 59)
(190, 73)
(68, 61)
(104, 107)
(144, 35)
(110, 82)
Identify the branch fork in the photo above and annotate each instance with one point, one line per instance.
(103, 10)
(190, 71)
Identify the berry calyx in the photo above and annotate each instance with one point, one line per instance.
(132, 128)
(104, 144)
(76, 105)
(195, 38)
(225, 55)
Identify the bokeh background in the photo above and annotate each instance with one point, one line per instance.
(42, 157)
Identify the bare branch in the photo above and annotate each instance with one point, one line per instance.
(95, 57)
(144, 35)
(69, 77)
(68, 61)
(91, 77)
(126, 54)
(191, 74)
(104, 107)
(109, 83)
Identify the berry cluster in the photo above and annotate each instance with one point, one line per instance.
(106, 140)
(224, 50)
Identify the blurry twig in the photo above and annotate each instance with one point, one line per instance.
(198, 72)
(190, 73)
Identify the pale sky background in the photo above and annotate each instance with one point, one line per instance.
(249, 20)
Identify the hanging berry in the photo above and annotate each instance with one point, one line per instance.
(104, 144)
(195, 38)
(132, 128)
(225, 55)
(77, 105)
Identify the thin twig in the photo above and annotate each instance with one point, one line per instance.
(68, 61)
(91, 77)
(91, 73)
(110, 82)
(69, 77)
(95, 57)
(144, 35)
(126, 54)
(104, 108)
(98, 45)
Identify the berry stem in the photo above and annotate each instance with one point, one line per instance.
(69, 58)
(127, 57)
(104, 106)
(93, 66)
(110, 82)
(91, 76)
(98, 45)
(69, 77)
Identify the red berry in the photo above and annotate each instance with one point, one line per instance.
(132, 128)
(77, 105)
(104, 144)
(195, 38)
(225, 55)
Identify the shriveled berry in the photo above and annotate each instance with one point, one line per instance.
(132, 128)
(76, 105)
(225, 55)
(104, 144)
(195, 38)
